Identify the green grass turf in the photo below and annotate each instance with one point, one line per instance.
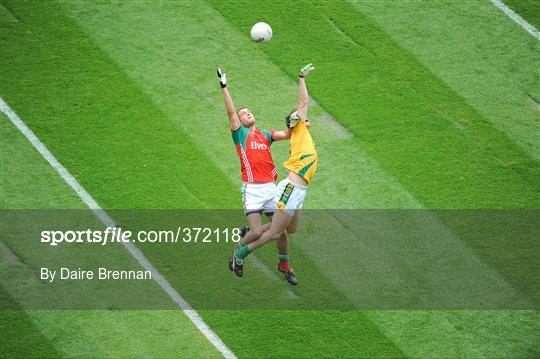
(24, 339)
(72, 67)
(419, 130)
(18, 180)
(134, 85)
(527, 9)
(83, 102)
(140, 60)
(490, 63)
(194, 103)
(29, 182)
(474, 334)
(394, 137)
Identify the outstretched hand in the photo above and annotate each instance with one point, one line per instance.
(306, 70)
(222, 78)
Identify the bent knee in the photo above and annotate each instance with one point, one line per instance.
(256, 232)
(273, 235)
(292, 229)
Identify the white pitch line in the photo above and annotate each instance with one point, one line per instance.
(518, 19)
(108, 222)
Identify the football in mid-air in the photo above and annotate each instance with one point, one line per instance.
(261, 32)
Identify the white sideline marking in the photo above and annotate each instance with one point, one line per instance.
(108, 222)
(518, 19)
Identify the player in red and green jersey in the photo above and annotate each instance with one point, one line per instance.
(302, 164)
(253, 147)
(258, 172)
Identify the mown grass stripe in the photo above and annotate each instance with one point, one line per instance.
(187, 105)
(527, 9)
(420, 131)
(497, 78)
(28, 182)
(82, 93)
(516, 18)
(57, 166)
(172, 26)
(381, 76)
(108, 222)
(207, 83)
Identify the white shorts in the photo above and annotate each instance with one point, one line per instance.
(259, 197)
(290, 196)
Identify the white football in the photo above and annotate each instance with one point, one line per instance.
(261, 32)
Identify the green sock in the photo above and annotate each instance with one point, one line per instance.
(242, 252)
(240, 243)
(283, 257)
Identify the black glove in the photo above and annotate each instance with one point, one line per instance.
(291, 122)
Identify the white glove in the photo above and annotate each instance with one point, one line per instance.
(222, 78)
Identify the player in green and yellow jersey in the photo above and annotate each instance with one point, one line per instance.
(302, 164)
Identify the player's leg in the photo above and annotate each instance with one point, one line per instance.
(291, 201)
(293, 226)
(283, 257)
(255, 227)
(278, 225)
(282, 243)
(254, 219)
(257, 197)
(246, 240)
(253, 200)
(283, 249)
(288, 198)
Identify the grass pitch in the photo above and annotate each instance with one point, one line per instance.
(124, 95)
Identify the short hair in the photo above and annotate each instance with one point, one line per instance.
(289, 115)
(241, 108)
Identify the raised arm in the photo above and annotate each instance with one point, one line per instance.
(281, 135)
(229, 105)
(303, 98)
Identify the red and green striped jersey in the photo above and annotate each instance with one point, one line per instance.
(253, 148)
